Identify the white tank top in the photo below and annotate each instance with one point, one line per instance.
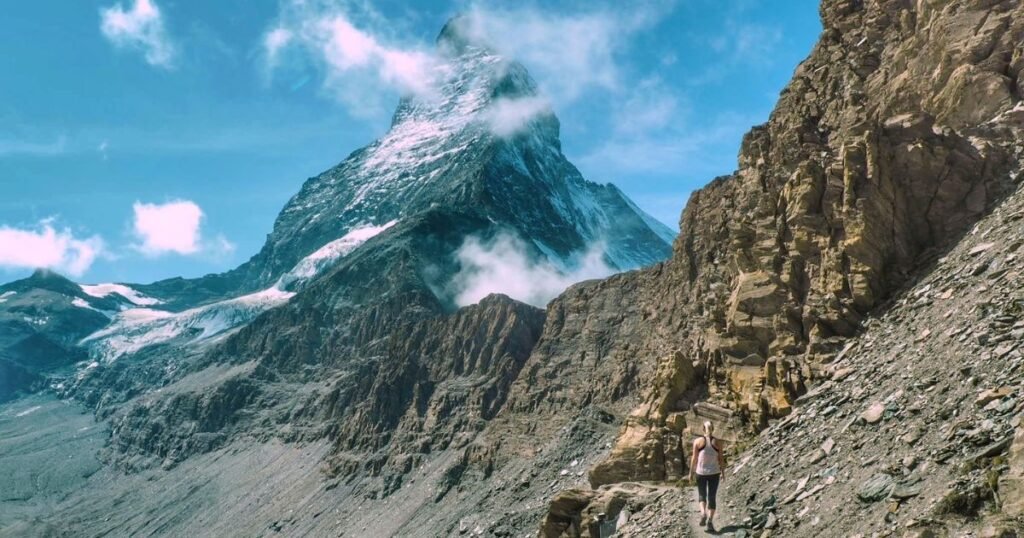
(707, 459)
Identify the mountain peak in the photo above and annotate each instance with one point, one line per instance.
(457, 35)
(45, 279)
(45, 275)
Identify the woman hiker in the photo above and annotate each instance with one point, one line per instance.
(708, 462)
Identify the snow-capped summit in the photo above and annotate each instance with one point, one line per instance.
(484, 139)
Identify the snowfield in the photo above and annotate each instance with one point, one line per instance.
(135, 329)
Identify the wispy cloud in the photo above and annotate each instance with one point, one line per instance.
(174, 227)
(570, 53)
(224, 133)
(749, 42)
(361, 67)
(14, 147)
(650, 105)
(45, 246)
(739, 45)
(506, 117)
(655, 136)
(139, 27)
(666, 150)
(363, 64)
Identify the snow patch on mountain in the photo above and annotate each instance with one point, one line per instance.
(327, 255)
(28, 411)
(82, 303)
(425, 132)
(103, 290)
(6, 295)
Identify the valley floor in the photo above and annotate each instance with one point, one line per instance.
(54, 483)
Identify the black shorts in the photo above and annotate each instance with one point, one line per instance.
(707, 488)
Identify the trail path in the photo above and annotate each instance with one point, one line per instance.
(727, 520)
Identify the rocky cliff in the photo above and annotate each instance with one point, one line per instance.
(899, 131)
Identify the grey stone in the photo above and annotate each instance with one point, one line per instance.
(875, 488)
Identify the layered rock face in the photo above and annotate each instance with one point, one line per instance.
(897, 132)
(900, 130)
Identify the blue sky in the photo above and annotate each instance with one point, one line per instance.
(117, 118)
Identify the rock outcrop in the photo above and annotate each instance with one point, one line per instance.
(1011, 485)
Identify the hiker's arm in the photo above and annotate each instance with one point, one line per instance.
(693, 459)
(721, 460)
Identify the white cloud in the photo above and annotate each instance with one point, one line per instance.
(569, 53)
(140, 27)
(221, 247)
(504, 265)
(274, 42)
(506, 117)
(176, 227)
(170, 227)
(360, 68)
(47, 247)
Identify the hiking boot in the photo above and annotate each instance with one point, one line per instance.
(703, 519)
(710, 528)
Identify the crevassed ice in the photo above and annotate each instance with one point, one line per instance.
(137, 328)
(102, 290)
